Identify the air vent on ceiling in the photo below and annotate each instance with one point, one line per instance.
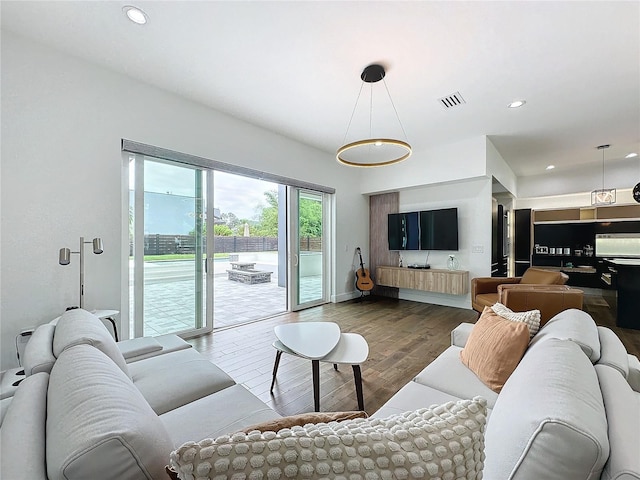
(453, 100)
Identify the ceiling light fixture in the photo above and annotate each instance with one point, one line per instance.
(550, 167)
(135, 14)
(631, 155)
(373, 152)
(517, 104)
(604, 196)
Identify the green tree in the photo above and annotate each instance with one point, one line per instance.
(310, 218)
(222, 231)
(268, 217)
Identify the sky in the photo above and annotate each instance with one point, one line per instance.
(232, 193)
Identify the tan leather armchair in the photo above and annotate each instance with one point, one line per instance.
(541, 289)
(549, 299)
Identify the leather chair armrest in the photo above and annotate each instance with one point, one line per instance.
(481, 285)
(549, 299)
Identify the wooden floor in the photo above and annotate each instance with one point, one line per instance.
(403, 337)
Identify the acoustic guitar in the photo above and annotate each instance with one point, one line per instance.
(363, 279)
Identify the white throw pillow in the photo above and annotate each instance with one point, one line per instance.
(531, 318)
(444, 442)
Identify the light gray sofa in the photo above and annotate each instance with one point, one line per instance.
(95, 416)
(570, 410)
(567, 412)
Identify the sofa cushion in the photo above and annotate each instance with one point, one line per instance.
(414, 396)
(448, 374)
(98, 423)
(38, 352)
(429, 443)
(549, 420)
(177, 378)
(136, 349)
(574, 325)
(494, 348)
(539, 276)
(22, 435)
(227, 411)
(531, 317)
(79, 327)
(612, 351)
(623, 416)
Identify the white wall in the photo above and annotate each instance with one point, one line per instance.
(498, 168)
(473, 200)
(445, 163)
(62, 121)
(571, 200)
(620, 174)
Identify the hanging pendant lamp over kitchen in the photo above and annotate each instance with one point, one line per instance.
(604, 196)
(375, 151)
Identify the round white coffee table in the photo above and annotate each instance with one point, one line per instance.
(350, 349)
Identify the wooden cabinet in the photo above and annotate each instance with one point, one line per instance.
(453, 282)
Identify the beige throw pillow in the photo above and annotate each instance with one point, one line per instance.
(530, 317)
(439, 442)
(494, 348)
(303, 419)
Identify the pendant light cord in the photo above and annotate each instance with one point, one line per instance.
(394, 109)
(344, 140)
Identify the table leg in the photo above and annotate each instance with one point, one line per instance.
(115, 330)
(335, 367)
(315, 367)
(357, 377)
(275, 369)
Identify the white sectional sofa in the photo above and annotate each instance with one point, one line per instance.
(95, 416)
(567, 412)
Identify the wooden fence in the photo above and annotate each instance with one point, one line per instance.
(157, 244)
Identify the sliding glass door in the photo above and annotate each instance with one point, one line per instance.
(308, 248)
(169, 282)
(262, 250)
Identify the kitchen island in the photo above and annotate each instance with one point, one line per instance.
(627, 271)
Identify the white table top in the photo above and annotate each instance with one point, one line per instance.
(313, 340)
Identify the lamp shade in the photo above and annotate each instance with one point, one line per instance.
(97, 246)
(64, 256)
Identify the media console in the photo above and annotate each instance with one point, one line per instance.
(453, 282)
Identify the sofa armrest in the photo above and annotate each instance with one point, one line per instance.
(549, 299)
(634, 373)
(480, 285)
(460, 334)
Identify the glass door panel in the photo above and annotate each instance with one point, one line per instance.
(170, 244)
(308, 259)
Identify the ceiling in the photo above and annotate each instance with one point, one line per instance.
(294, 67)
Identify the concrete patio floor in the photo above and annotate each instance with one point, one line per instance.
(169, 301)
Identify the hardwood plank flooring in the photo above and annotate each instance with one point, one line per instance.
(403, 337)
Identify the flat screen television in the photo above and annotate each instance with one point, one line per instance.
(439, 229)
(404, 231)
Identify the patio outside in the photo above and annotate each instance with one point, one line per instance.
(170, 296)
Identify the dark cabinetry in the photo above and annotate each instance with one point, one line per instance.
(522, 240)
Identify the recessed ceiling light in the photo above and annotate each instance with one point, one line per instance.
(550, 167)
(135, 14)
(517, 103)
(631, 155)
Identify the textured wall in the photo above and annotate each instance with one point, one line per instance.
(379, 207)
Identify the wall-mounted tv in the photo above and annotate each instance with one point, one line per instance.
(404, 231)
(439, 229)
(426, 230)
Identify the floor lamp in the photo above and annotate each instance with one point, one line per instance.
(65, 259)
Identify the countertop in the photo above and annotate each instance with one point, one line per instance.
(577, 269)
(625, 262)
